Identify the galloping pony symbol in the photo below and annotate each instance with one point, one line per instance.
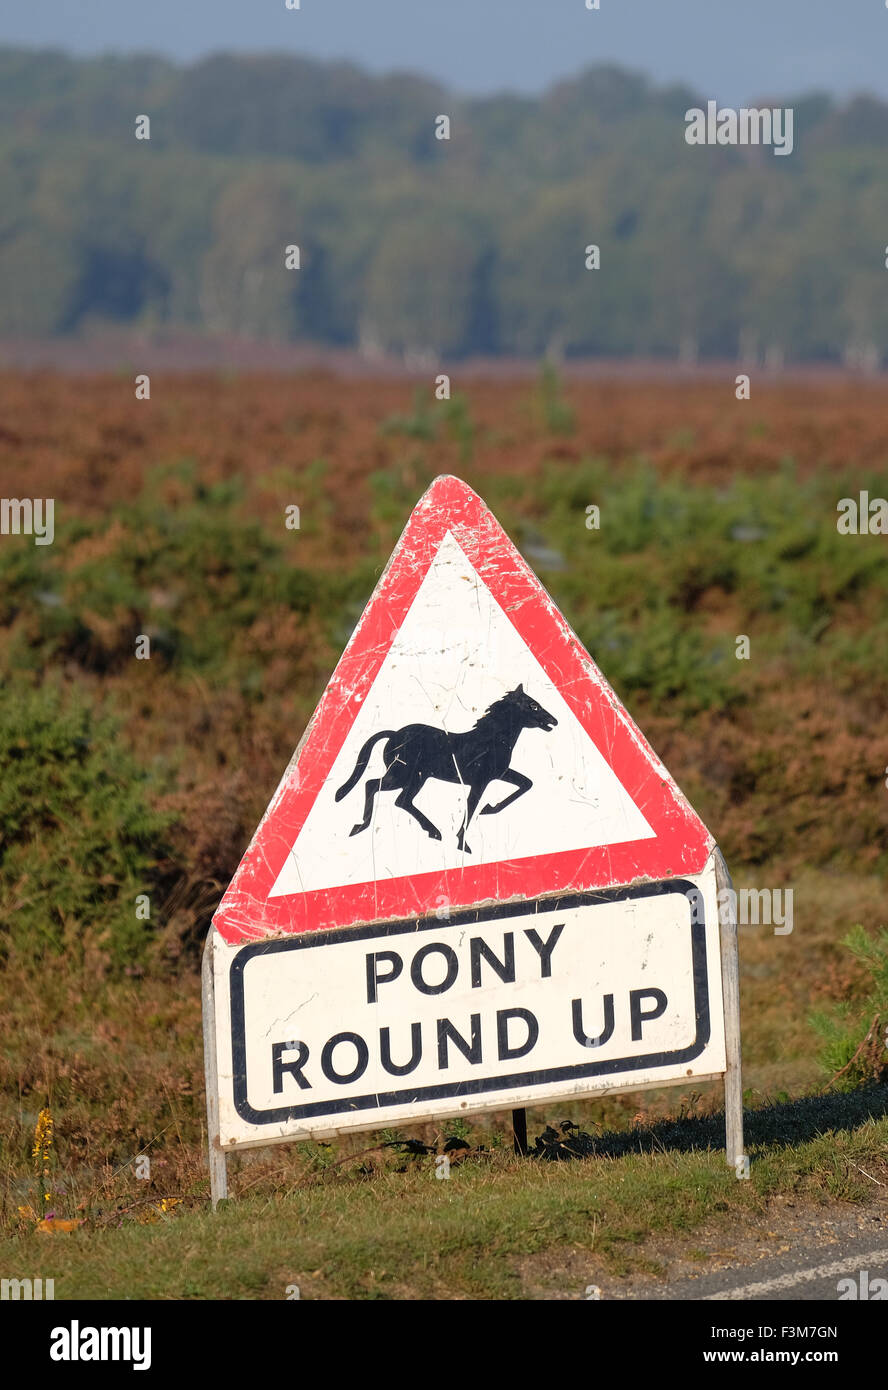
(474, 759)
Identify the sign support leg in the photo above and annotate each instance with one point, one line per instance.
(217, 1158)
(730, 967)
(519, 1130)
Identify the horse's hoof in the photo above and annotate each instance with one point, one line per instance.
(435, 834)
(466, 849)
(355, 830)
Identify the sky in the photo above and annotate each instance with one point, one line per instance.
(733, 52)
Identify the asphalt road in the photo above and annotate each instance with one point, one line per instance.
(802, 1258)
(804, 1276)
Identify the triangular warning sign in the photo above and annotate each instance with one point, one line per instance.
(466, 750)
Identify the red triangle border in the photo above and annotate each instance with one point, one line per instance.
(682, 844)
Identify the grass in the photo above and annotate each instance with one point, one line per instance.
(390, 1229)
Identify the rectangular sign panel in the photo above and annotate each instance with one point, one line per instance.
(491, 1008)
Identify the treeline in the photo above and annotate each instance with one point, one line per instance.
(426, 247)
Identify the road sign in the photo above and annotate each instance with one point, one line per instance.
(476, 886)
(462, 695)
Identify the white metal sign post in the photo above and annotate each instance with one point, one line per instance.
(476, 887)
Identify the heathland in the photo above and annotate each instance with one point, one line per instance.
(125, 781)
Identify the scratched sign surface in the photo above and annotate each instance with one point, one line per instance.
(476, 884)
(495, 1007)
(462, 693)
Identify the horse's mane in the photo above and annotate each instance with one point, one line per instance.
(503, 700)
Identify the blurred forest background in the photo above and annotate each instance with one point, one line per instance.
(425, 248)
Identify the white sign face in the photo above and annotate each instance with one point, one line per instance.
(496, 1007)
(466, 751)
(454, 658)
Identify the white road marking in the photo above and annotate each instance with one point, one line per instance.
(859, 1260)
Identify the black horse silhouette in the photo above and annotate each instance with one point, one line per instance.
(479, 756)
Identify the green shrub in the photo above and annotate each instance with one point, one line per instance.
(558, 415)
(854, 1034)
(188, 575)
(662, 655)
(422, 424)
(79, 837)
(460, 425)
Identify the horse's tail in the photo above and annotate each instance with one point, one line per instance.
(361, 764)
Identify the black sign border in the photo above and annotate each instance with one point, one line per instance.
(477, 1085)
